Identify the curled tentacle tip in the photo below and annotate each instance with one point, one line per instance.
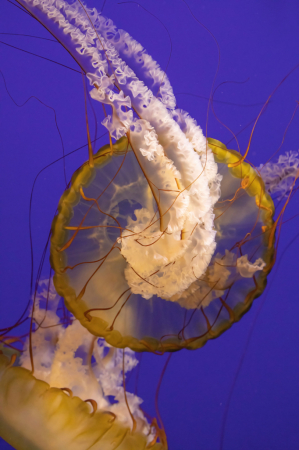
(152, 443)
(93, 404)
(113, 416)
(69, 391)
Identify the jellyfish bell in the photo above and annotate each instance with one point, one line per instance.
(91, 268)
(35, 415)
(56, 391)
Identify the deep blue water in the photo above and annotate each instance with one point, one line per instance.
(258, 43)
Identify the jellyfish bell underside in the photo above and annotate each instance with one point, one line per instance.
(112, 202)
(37, 416)
(40, 417)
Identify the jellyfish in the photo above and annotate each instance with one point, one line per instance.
(161, 240)
(73, 394)
(257, 159)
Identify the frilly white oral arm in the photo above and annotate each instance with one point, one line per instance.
(169, 146)
(279, 176)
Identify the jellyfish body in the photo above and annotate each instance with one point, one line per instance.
(34, 415)
(91, 275)
(65, 403)
(137, 242)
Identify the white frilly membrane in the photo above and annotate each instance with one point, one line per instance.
(171, 243)
(222, 273)
(70, 357)
(279, 176)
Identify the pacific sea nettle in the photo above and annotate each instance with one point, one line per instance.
(65, 389)
(163, 239)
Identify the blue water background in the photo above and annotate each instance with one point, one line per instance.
(258, 43)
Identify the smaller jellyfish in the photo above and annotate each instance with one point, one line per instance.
(75, 398)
